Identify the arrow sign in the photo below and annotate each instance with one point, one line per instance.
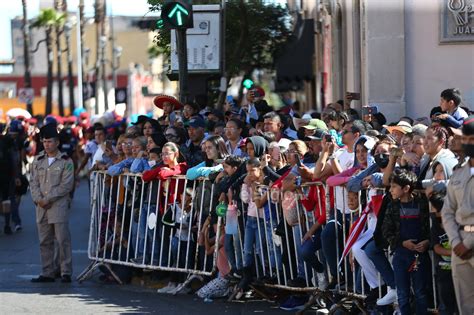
(178, 10)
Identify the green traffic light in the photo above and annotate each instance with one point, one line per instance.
(178, 10)
(160, 24)
(247, 83)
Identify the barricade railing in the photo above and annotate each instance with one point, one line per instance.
(154, 225)
(159, 225)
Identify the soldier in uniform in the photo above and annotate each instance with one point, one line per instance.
(458, 221)
(52, 180)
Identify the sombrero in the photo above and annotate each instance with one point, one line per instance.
(159, 100)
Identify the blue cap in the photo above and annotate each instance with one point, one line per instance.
(50, 120)
(15, 126)
(197, 122)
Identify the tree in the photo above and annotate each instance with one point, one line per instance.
(255, 34)
(47, 19)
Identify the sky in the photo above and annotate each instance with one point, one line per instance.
(12, 8)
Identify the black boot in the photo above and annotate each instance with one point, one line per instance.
(247, 278)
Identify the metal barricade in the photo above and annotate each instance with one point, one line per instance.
(155, 225)
(159, 226)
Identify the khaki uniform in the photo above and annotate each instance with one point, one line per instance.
(53, 183)
(458, 210)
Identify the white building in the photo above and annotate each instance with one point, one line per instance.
(399, 54)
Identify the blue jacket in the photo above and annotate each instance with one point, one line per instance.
(117, 169)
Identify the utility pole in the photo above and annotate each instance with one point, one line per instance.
(183, 64)
(26, 53)
(178, 15)
(112, 43)
(80, 56)
(70, 78)
(58, 6)
(102, 53)
(98, 10)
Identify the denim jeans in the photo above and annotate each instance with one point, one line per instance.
(274, 250)
(405, 280)
(380, 261)
(252, 237)
(233, 250)
(182, 249)
(328, 241)
(309, 249)
(144, 232)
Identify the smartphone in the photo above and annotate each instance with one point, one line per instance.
(298, 181)
(328, 138)
(298, 161)
(370, 110)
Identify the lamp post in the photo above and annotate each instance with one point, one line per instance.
(102, 46)
(68, 29)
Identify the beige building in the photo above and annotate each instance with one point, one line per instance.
(399, 54)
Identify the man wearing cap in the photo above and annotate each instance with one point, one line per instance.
(52, 180)
(191, 150)
(458, 221)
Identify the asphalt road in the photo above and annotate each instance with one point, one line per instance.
(19, 262)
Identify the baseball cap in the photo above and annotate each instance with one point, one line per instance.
(15, 126)
(197, 122)
(318, 134)
(316, 124)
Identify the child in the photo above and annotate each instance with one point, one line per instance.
(232, 240)
(406, 228)
(254, 226)
(442, 250)
(449, 102)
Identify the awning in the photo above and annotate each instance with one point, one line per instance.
(295, 65)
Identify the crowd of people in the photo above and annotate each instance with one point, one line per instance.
(411, 178)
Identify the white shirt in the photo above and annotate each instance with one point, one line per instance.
(346, 161)
(51, 160)
(98, 155)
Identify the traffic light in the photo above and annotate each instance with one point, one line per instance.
(150, 24)
(247, 83)
(177, 14)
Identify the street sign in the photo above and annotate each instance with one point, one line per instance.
(203, 41)
(120, 95)
(177, 14)
(26, 95)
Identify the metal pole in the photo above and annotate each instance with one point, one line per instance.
(26, 53)
(69, 70)
(112, 42)
(97, 55)
(59, 59)
(103, 61)
(79, 55)
(183, 64)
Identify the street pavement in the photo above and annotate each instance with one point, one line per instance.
(20, 261)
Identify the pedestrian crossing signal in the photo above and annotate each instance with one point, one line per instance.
(177, 14)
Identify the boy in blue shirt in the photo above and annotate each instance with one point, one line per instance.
(407, 229)
(449, 103)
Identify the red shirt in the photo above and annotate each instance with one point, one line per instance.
(163, 172)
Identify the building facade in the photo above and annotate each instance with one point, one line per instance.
(399, 54)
